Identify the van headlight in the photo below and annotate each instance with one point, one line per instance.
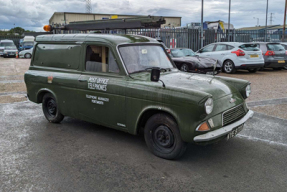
(247, 91)
(208, 105)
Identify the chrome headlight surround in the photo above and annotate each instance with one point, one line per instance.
(208, 105)
(247, 91)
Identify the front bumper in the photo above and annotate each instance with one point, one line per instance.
(212, 135)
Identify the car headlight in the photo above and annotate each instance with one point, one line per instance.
(208, 105)
(247, 91)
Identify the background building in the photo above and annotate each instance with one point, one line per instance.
(67, 17)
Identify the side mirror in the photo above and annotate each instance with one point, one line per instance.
(155, 74)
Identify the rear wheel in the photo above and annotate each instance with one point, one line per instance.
(51, 109)
(163, 138)
(228, 67)
(252, 70)
(184, 67)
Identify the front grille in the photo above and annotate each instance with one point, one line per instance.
(233, 115)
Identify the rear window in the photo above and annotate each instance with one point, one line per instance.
(58, 56)
(275, 47)
(249, 47)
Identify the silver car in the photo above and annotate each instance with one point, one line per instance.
(26, 53)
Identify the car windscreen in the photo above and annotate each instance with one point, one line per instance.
(249, 47)
(11, 48)
(139, 58)
(182, 52)
(275, 47)
(6, 44)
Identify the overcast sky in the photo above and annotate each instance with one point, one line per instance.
(34, 14)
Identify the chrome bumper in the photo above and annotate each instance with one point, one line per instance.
(224, 130)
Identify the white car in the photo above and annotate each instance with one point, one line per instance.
(26, 53)
(233, 55)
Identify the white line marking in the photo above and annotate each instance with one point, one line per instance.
(263, 140)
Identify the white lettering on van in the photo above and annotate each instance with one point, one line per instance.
(98, 83)
(97, 100)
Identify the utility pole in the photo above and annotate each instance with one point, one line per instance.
(88, 6)
(201, 32)
(229, 18)
(283, 35)
(271, 18)
(265, 36)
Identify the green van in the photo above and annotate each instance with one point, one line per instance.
(130, 83)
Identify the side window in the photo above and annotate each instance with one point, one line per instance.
(229, 47)
(220, 47)
(57, 56)
(100, 59)
(208, 48)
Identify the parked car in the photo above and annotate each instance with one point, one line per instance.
(233, 55)
(285, 46)
(5, 43)
(274, 55)
(130, 83)
(188, 61)
(26, 53)
(10, 51)
(27, 43)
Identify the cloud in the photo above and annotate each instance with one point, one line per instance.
(33, 14)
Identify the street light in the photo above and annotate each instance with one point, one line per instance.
(201, 33)
(257, 20)
(265, 36)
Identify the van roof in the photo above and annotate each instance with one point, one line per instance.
(114, 39)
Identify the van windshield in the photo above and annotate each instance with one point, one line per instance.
(139, 58)
(28, 43)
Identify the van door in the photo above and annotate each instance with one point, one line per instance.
(101, 96)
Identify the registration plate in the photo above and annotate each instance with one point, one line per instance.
(281, 61)
(254, 56)
(235, 131)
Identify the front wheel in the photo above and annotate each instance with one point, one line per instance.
(163, 138)
(229, 67)
(285, 67)
(184, 67)
(51, 109)
(27, 55)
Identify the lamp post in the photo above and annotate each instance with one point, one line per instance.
(201, 31)
(229, 19)
(265, 36)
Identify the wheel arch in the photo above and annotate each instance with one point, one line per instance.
(149, 112)
(42, 92)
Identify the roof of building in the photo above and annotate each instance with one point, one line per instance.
(114, 39)
(107, 14)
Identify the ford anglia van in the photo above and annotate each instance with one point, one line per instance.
(130, 83)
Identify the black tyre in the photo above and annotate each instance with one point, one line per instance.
(162, 137)
(252, 70)
(184, 67)
(27, 55)
(285, 67)
(228, 67)
(50, 109)
(277, 69)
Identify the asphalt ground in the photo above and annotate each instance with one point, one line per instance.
(78, 156)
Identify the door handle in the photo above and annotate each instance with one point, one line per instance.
(82, 80)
